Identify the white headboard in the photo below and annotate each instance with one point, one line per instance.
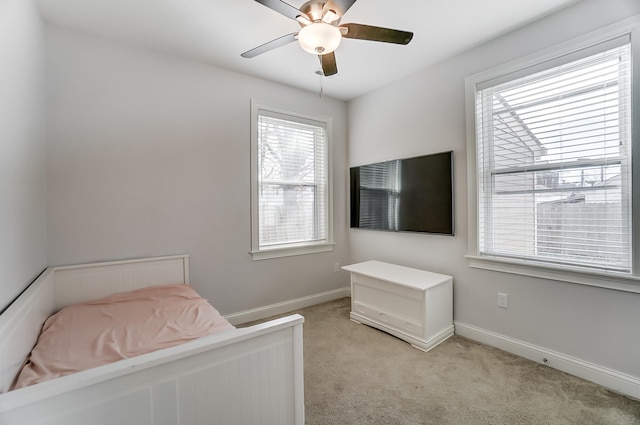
(58, 287)
(86, 282)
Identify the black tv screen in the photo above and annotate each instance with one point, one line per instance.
(404, 195)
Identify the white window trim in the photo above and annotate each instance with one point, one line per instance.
(289, 249)
(584, 276)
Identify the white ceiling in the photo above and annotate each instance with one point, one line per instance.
(218, 31)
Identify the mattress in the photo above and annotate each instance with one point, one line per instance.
(120, 326)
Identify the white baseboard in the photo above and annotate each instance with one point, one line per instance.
(286, 306)
(616, 381)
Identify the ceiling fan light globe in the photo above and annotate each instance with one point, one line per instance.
(319, 38)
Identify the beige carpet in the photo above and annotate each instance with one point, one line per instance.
(355, 374)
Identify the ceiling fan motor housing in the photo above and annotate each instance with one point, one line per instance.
(315, 11)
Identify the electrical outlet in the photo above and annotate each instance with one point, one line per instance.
(336, 267)
(503, 300)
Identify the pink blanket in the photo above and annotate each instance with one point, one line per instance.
(120, 326)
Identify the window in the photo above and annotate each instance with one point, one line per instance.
(291, 190)
(552, 170)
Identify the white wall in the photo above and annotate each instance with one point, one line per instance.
(22, 149)
(426, 113)
(149, 155)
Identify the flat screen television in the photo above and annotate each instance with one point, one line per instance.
(404, 195)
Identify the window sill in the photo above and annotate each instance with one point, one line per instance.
(290, 250)
(610, 280)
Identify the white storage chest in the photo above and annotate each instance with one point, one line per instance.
(411, 304)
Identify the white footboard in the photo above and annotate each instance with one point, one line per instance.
(248, 376)
(251, 375)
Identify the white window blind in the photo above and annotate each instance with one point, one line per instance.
(554, 161)
(292, 179)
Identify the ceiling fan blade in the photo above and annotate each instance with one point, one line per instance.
(281, 7)
(339, 6)
(368, 32)
(278, 42)
(328, 62)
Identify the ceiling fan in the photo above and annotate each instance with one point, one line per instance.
(321, 31)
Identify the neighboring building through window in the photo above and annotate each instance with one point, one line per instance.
(553, 161)
(291, 184)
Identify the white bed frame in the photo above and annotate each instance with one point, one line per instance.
(251, 375)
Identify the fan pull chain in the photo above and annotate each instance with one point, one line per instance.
(321, 76)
